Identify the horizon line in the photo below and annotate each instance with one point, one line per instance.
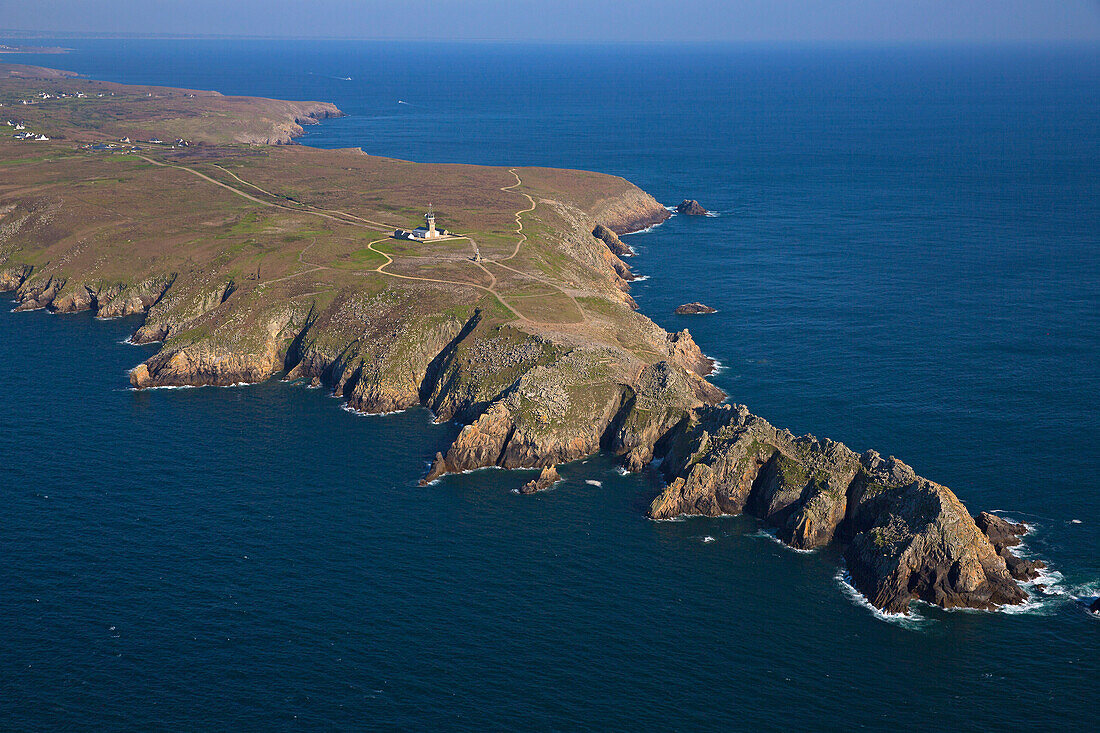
(12, 34)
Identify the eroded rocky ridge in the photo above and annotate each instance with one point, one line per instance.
(906, 538)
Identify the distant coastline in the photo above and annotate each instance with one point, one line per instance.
(6, 48)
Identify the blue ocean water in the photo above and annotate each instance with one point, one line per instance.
(906, 257)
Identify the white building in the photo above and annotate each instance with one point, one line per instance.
(428, 231)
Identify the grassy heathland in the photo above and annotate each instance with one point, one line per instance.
(251, 260)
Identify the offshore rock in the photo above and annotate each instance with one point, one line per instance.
(690, 207)
(691, 309)
(547, 478)
(907, 538)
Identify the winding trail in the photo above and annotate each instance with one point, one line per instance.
(519, 222)
(523, 240)
(343, 217)
(491, 289)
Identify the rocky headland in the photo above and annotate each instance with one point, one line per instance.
(250, 262)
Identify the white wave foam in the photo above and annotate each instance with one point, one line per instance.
(771, 535)
(593, 482)
(640, 278)
(913, 621)
(363, 413)
(648, 229)
(708, 538)
(712, 214)
(1075, 521)
(621, 471)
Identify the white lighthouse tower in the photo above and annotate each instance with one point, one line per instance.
(429, 224)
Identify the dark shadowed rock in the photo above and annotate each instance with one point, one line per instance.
(1005, 535)
(690, 207)
(1095, 607)
(547, 478)
(1001, 532)
(692, 309)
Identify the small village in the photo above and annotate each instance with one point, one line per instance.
(124, 145)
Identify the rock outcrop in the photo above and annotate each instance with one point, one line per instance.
(907, 538)
(12, 277)
(617, 246)
(693, 309)
(690, 207)
(546, 479)
(1005, 535)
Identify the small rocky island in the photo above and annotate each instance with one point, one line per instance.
(695, 309)
(546, 479)
(691, 207)
(248, 259)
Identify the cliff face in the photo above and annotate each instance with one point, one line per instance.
(907, 538)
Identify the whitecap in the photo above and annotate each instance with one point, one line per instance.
(1075, 521)
(708, 538)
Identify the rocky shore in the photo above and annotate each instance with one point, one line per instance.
(534, 346)
(533, 402)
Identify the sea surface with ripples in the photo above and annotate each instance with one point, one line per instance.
(906, 256)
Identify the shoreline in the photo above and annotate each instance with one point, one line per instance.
(718, 459)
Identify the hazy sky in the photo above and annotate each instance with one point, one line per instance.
(579, 20)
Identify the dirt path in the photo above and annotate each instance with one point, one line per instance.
(335, 215)
(389, 261)
(307, 210)
(308, 207)
(519, 221)
(523, 240)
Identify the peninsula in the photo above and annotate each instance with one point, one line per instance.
(249, 259)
